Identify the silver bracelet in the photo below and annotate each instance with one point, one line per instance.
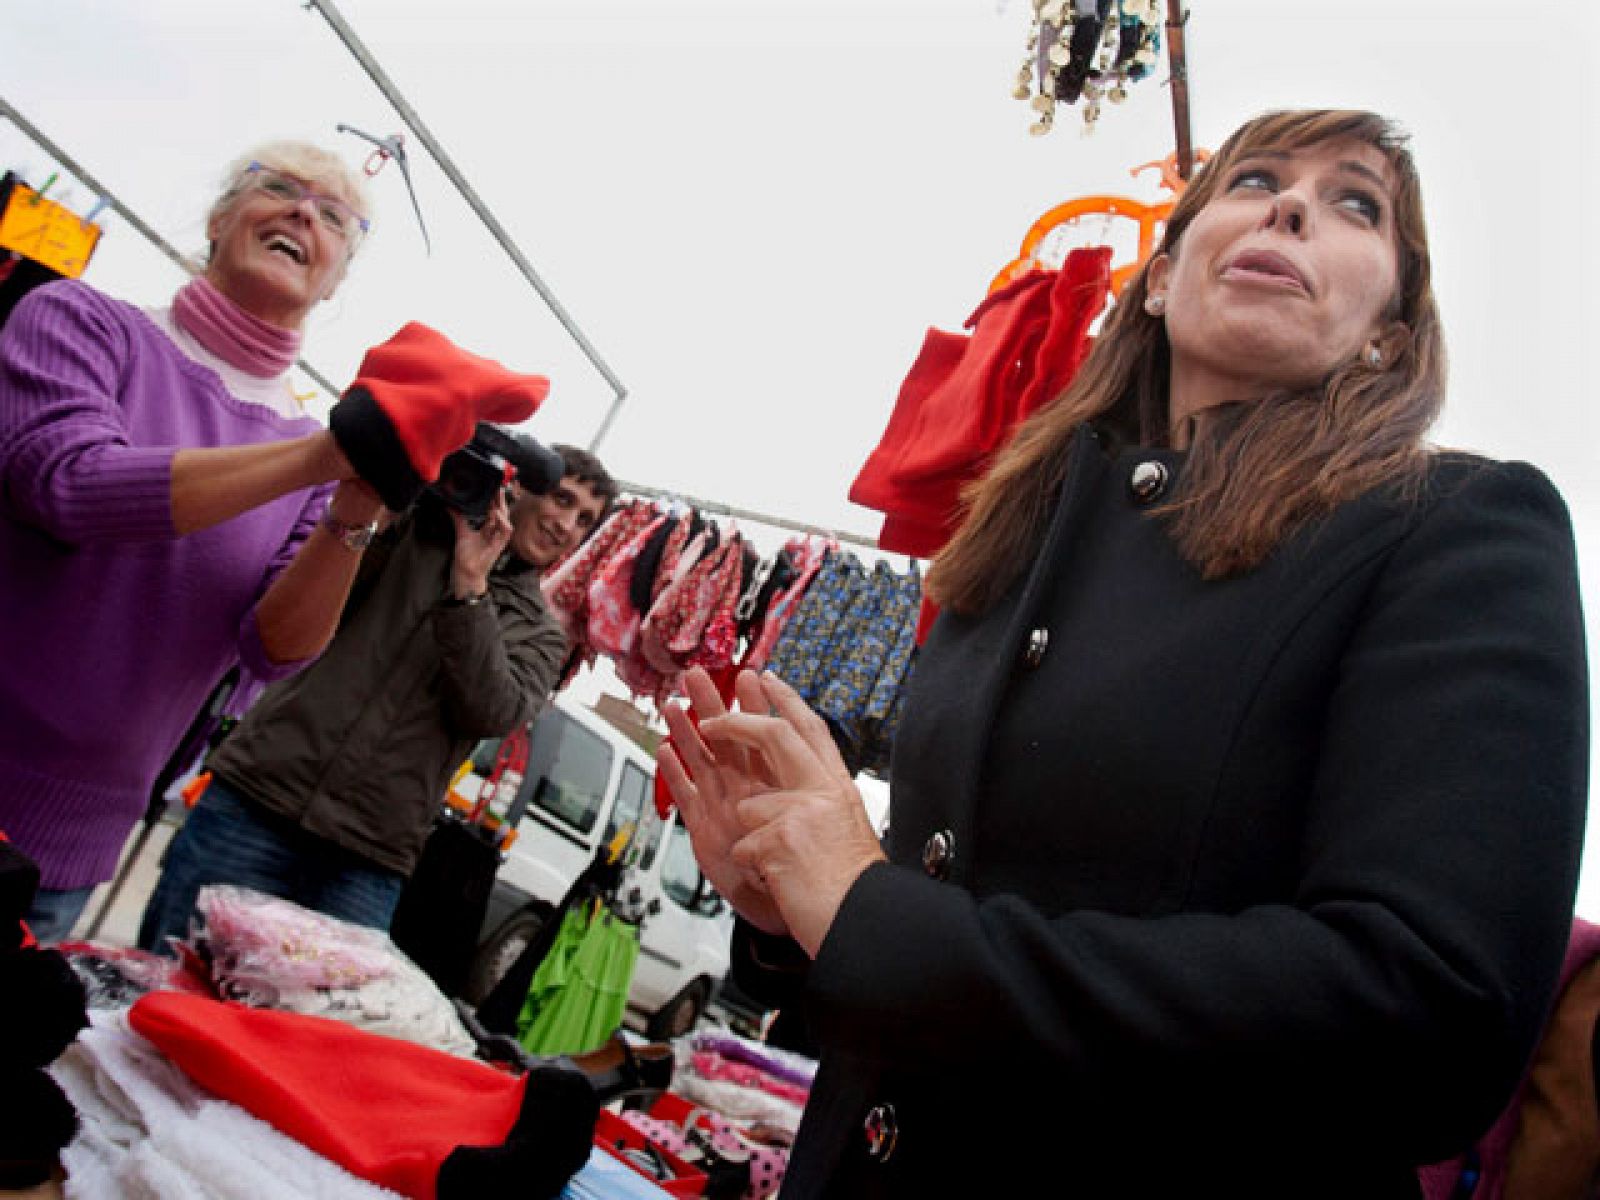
(356, 537)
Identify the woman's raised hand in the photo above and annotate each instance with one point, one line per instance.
(708, 790)
(797, 823)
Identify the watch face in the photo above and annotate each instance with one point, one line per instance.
(357, 537)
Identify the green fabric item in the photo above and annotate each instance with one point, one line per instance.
(580, 991)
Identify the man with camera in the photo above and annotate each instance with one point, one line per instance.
(326, 791)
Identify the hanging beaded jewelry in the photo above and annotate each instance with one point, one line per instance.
(1086, 49)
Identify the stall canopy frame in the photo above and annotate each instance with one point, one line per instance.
(391, 93)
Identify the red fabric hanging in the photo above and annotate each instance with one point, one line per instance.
(613, 625)
(719, 640)
(671, 554)
(964, 398)
(880, 482)
(718, 593)
(680, 607)
(566, 588)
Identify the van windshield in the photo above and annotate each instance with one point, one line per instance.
(569, 766)
(681, 879)
(634, 813)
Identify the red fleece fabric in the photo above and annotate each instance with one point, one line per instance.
(915, 426)
(964, 397)
(434, 393)
(388, 1111)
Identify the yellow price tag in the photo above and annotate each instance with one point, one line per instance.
(39, 228)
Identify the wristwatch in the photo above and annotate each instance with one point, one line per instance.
(356, 537)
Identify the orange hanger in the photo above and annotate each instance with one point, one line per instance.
(1150, 217)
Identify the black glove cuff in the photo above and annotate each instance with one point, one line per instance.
(19, 880)
(40, 1124)
(22, 1174)
(547, 1146)
(368, 438)
(42, 1007)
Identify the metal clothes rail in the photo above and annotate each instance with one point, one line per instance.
(448, 166)
(746, 514)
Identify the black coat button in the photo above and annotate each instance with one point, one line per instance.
(883, 1131)
(938, 852)
(1148, 481)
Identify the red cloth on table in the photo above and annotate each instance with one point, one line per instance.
(388, 1111)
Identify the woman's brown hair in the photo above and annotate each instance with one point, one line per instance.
(1256, 471)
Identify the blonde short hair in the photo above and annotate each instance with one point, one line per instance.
(318, 167)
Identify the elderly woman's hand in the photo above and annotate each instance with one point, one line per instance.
(807, 835)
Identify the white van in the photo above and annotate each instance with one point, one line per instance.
(586, 782)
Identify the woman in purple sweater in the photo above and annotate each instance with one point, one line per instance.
(166, 510)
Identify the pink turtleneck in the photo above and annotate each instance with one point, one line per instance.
(241, 340)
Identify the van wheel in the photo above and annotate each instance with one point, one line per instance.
(496, 956)
(678, 1016)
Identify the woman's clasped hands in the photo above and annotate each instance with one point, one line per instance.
(774, 815)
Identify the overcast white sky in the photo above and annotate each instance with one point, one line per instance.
(755, 208)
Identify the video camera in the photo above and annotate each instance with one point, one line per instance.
(470, 478)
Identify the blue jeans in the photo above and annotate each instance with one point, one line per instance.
(229, 839)
(53, 914)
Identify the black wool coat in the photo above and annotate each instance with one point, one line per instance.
(1253, 887)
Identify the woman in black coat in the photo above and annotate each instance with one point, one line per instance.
(1237, 808)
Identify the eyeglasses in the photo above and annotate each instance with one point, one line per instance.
(333, 212)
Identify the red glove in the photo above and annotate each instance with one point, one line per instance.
(417, 397)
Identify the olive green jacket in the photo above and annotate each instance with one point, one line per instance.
(359, 747)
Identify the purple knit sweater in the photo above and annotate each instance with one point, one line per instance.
(113, 629)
